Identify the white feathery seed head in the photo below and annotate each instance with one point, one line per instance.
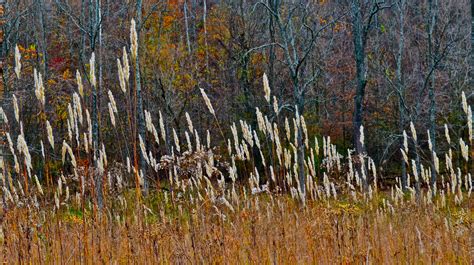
(16, 109)
(126, 65)
(413, 131)
(405, 141)
(68, 149)
(430, 144)
(287, 129)
(405, 156)
(362, 136)
(190, 123)
(297, 118)
(10, 143)
(446, 133)
(77, 107)
(260, 120)
(143, 149)
(316, 146)
(92, 70)
(89, 127)
(17, 165)
(162, 127)
(436, 162)
(111, 113)
(208, 138)
(80, 86)
(86, 143)
(23, 149)
(188, 141)
(305, 132)
(70, 112)
(38, 185)
(464, 149)
(469, 124)
(133, 39)
(112, 101)
(207, 101)
(266, 87)
(3, 115)
(414, 169)
(104, 155)
(275, 105)
(17, 62)
(123, 86)
(464, 102)
(148, 121)
(49, 130)
(176, 141)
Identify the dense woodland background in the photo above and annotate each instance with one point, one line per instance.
(343, 64)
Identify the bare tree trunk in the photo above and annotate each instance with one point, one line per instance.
(82, 49)
(188, 42)
(10, 26)
(361, 73)
(4, 51)
(204, 20)
(358, 32)
(2, 98)
(43, 42)
(471, 76)
(138, 87)
(433, 10)
(400, 85)
(472, 44)
(271, 71)
(94, 19)
(99, 25)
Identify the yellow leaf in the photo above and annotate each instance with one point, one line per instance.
(67, 74)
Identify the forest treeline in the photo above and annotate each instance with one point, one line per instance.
(348, 66)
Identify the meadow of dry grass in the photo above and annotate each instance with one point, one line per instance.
(261, 229)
